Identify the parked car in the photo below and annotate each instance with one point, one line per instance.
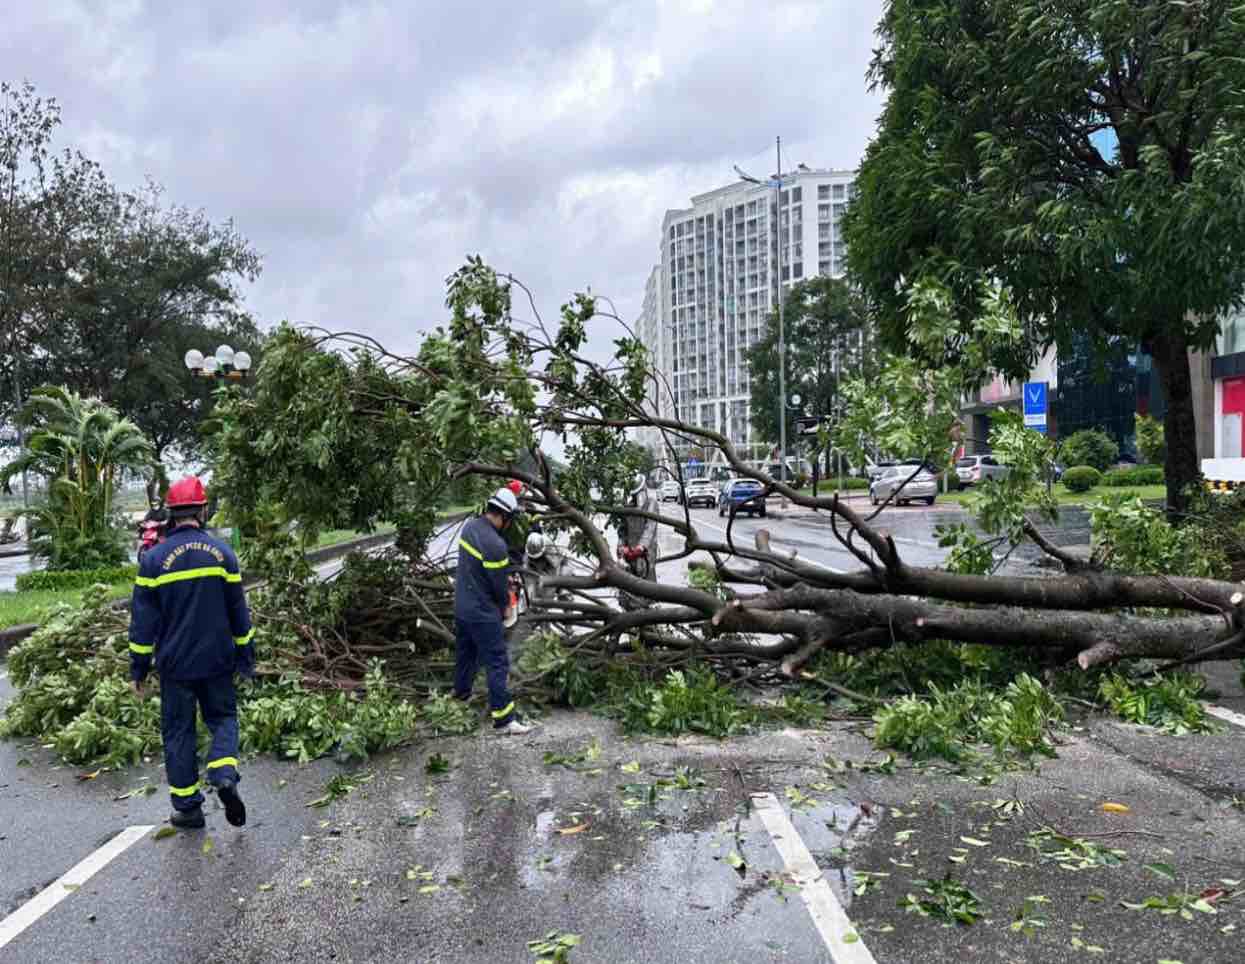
(736, 491)
(701, 492)
(671, 491)
(924, 485)
(977, 468)
(874, 470)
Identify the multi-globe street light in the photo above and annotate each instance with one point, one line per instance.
(225, 363)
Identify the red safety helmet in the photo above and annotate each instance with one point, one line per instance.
(187, 493)
(515, 486)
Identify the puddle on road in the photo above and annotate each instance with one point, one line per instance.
(832, 830)
(680, 844)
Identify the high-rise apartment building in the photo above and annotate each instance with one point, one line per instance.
(717, 283)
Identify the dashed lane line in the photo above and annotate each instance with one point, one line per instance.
(51, 895)
(840, 937)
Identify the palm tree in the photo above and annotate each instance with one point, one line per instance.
(81, 446)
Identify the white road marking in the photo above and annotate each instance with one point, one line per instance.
(830, 919)
(1225, 714)
(70, 881)
(779, 540)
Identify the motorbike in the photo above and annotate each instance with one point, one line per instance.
(150, 533)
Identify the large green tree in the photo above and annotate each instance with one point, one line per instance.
(103, 290)
(1087, 154)
(827, 339)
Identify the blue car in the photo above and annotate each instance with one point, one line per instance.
(737, 491)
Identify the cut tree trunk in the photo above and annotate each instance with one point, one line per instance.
(1171, 357)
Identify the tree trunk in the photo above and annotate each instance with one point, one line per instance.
(1171, 357)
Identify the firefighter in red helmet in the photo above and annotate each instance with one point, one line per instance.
(189, 614)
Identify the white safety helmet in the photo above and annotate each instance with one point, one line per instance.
(503, 501)
(535, 546)
(639, 484)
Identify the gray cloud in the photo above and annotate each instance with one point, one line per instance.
(365, 148)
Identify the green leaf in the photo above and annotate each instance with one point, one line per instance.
(1163, 870)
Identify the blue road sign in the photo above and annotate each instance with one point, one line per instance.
(1035, 398)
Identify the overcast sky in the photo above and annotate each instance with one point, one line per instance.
(366, 148)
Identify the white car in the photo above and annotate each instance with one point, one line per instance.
(895, 481)
(701, 492)
(671, 491)
(977, 468)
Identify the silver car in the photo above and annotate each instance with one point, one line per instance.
(977, 468)
(923, 487)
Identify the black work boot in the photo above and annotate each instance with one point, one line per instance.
(188, 819)
(235, 809)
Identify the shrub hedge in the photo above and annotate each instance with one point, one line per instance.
(55, 580)
(1141, 475)
(1081, 478)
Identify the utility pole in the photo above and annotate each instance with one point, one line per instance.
(776, 183)
(782, 341)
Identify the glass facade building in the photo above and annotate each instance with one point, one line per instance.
(1106, 390)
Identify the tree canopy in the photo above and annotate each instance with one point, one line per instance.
(827, 340)
(1086, 154)
(104, 289)
(82, 448)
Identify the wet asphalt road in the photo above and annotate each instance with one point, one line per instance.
(472, 864)
(912, 527)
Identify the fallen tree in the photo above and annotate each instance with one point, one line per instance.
(339, 431)
(485, 391)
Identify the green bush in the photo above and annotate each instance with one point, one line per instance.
(1141, 475)
(1090, 446)
(1151, 439)
(65, 579)
(1081, 478)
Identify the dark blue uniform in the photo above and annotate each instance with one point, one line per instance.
(190, 613)
(481, 594)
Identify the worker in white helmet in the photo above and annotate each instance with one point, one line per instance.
(481, 597)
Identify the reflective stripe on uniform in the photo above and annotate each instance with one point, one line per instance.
(205, 572)
(504, 711)
(189, 791)
(142, 650)
(225, 761)
(488, 564)
(243, 640)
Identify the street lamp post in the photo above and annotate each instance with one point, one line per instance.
(776, 183)
(227, 365)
